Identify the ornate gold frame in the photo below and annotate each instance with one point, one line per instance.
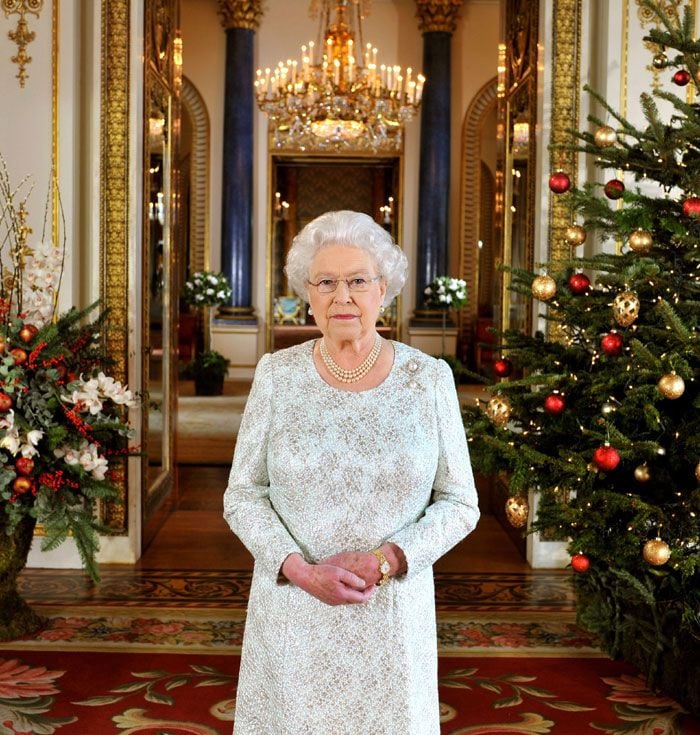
(114, 199)
(566, 81)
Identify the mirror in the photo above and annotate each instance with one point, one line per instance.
(156, 301)
(302, 188)
(518, 214)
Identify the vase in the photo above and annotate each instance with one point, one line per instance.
(17, 619)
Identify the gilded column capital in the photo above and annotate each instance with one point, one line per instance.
(437, 15)
(240, 13)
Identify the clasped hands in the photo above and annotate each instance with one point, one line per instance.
(347, 578)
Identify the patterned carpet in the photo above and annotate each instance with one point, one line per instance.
(155, 653)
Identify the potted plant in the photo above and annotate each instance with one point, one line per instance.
(63, 419)
(203, 291)
(209, 368)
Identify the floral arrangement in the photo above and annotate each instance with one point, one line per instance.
(63, 419)
(446, 293)
(207, 288)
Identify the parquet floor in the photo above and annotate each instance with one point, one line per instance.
(195, 561)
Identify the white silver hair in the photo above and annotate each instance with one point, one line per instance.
(353, 229)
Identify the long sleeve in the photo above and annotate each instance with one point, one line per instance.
(453, 511)
(247, 506)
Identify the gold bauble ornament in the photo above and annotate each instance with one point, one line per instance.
(605, 136)
(517, 511)
(625, 308)
(544, 287)
(672, 386)
(697, 471)
(498, 410)
(642, 473)
(641, 241)
(575, 235)
(656, 552)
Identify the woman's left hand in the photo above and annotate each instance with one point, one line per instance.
(362, 563)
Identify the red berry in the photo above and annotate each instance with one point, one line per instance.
(614, 189)
(503, 367)
(579, 283)
(559, 182)
(611, 344)
(606, 458)
(555, 404)
(580, 563)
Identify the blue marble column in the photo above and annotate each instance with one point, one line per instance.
(437, 22)
(240, 18)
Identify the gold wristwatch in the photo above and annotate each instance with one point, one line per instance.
(384, 567)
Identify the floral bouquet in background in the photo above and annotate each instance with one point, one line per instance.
(206, 288)
(63, 419)
(446, 294)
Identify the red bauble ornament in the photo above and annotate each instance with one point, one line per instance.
(22, 485)
(28, 332)
(611, 344)
(3, 345)
(579, 283)
(681, 77)
(559, 182)
(503, 367)
(555, 404)
(606, 458)
(19, 354)
(691, 207)
(614, 189)
(5, 402)
(24, 465)
(580, 563)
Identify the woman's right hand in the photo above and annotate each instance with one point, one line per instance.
(326, 582)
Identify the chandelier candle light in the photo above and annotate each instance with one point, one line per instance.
(337, 96)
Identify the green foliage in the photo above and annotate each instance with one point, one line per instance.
(209, 362)
(614, 398)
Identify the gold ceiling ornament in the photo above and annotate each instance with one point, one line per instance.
(22, 36)
(438, 15)
(240, 13)
(338, 97)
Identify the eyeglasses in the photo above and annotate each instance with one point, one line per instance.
(355, 285)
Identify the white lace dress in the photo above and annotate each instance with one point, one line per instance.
(318, 470)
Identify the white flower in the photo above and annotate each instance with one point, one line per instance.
(11, 441)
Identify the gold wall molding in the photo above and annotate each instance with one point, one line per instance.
(565, 97)
(196, 108)
(470, 191)
(114, 200)
(21, 35)
(438, 15)
(240, 13)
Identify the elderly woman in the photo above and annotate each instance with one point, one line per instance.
(350, 478)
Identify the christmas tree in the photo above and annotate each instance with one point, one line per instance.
(599, 416)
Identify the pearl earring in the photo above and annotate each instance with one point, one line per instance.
(381, 309)
(310, 312)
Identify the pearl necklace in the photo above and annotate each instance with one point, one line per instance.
(351, 376)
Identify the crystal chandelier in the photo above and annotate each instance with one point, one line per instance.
(337, 97)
